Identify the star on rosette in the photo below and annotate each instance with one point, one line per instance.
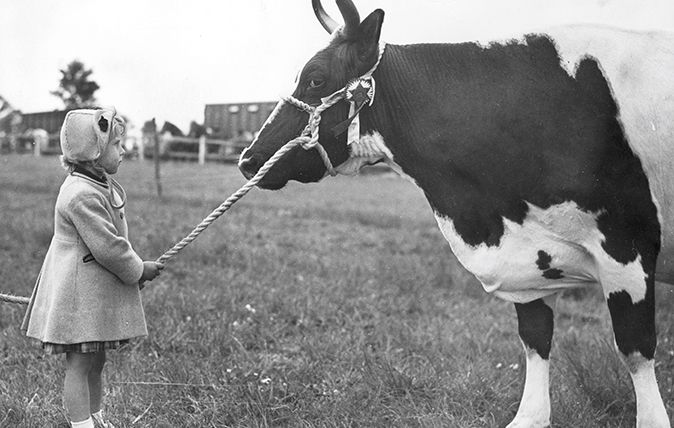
(360, 92)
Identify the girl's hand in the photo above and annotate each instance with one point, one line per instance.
(151, 270)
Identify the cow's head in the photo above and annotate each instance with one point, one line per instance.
(353, 50)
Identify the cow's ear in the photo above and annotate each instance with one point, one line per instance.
(368, 34)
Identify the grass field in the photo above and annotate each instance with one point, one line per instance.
(335, 304)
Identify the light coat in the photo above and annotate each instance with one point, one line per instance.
(87, 290)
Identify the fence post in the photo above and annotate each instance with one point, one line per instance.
(157, 173)
(37, 142)
(202, 150)
(141, 148)
(40, 141)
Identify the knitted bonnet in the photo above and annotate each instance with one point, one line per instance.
(86, 132)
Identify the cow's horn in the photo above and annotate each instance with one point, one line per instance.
(350, 15)
(326, 21)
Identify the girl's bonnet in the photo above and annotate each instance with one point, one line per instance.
(85, 134)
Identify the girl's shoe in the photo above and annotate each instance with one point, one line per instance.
(100, 422)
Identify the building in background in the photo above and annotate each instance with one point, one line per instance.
(236, 120)
(50, 121)
(30, 129)
(228, 129)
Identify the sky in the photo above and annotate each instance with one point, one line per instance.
(167, 59)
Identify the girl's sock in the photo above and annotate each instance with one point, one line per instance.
(87, 423)
(98, 415)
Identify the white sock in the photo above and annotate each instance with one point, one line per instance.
(98, 415)
(87, 423)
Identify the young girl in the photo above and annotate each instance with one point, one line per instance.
(87, 299)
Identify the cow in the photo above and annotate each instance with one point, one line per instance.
(547, 159)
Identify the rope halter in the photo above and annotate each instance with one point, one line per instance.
(358, 92)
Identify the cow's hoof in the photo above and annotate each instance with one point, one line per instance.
(529, 422)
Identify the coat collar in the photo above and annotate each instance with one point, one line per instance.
(86, 174)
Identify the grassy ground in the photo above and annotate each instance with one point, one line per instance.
(329, 305)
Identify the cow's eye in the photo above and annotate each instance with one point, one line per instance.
(316, 83)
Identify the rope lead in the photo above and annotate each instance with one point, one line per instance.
(229, 201)
(14, 299)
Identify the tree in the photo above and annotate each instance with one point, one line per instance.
(75, 89)
(5, 109)
(8, 116)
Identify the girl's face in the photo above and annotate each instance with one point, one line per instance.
(112, 156)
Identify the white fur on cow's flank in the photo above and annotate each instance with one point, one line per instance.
(534, 409)
(567, 234)
(638, 67)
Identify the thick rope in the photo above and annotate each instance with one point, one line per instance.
(230, 201)
(14, 299)
(211, 217)
(309, 137)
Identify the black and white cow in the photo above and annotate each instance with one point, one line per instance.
(548, 162)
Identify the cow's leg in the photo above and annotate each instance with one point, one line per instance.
(635, 340)
(535, 325)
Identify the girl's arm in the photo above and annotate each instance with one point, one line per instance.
(94, 224)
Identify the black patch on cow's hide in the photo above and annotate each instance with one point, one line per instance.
(535, 324)
(544, 260)
(553, 274)
(633, 323)
(543, 264)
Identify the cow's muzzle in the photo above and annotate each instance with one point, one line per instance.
(249, 166)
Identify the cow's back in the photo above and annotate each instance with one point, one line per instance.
(640, 70)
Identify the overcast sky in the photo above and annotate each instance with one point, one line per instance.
(167, 58)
